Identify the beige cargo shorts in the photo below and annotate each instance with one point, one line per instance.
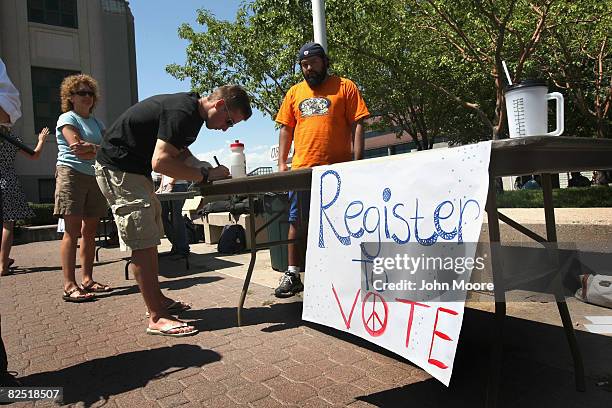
(77, 193)
(135, 207)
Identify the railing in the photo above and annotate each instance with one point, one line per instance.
(260, 171)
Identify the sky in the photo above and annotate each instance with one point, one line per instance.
(156, 24)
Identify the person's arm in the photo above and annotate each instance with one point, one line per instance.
(168, 160)
(10, 103)
(285, 138)
(42, 136)
(82, 150)
(4, 117)
(185, 154)
(358, 140)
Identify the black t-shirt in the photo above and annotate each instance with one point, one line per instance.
(129, 143)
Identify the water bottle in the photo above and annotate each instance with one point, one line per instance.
(237, 160)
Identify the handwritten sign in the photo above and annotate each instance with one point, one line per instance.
(423, 199)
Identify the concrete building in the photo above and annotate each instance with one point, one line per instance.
(41, 42)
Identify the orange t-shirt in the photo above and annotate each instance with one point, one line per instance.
(322, 119)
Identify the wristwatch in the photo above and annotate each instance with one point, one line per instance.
(204, 172)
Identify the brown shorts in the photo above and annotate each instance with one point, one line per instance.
(77, 193)
(136, 209)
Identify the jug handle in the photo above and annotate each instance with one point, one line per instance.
(558, 97)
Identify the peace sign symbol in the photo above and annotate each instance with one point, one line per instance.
(373, 319)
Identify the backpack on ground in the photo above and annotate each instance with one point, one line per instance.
(232, 240)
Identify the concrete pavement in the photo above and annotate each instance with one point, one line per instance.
(100, 354)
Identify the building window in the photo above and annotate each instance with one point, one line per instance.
(404, 148)
(374, 133)
(113, 6)
(378, 152)
(46, 190)
(46, 96)
(61, 13)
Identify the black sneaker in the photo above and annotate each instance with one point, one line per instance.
(7, 379)
(289, 285)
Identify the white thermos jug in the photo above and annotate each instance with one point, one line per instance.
(237, 160)
(527, 108)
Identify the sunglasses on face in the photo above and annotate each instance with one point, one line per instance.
(84, 93)
(229, 121)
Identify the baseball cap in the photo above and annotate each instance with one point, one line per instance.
(310, 49)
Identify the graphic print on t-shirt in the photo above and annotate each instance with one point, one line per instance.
(314, 107)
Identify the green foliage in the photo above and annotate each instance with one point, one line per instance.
(257, 51)
(428, 69)
(591, 197)
(43, 215)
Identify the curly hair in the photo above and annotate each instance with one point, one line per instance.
(70, 84)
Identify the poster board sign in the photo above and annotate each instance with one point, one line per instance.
(362, 214)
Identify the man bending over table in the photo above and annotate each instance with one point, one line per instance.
(151, 135)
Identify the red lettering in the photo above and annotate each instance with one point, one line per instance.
(411, 316)
(374, 317)
(346, 322)
(443, 336)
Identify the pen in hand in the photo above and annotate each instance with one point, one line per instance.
(216, 160)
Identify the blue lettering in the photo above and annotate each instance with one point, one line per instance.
(386, 198)
(395, 237)
(441, 233)
(462, 209)
(348, 216)
(343, 240)
(423, 241)
(375, 229)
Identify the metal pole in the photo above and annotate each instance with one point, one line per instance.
(318, 23)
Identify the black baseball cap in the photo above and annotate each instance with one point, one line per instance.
(310, 49)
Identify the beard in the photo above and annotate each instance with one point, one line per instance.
(315, 79)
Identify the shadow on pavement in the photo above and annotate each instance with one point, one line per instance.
(171, 267)
(19, 270)
(285, 315)
(537, 369)
(98, 379)
(176, 284)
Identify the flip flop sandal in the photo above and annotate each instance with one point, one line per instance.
(168, 331)
(77, 299)
(10, 262)
(100, 289)
(175, 307)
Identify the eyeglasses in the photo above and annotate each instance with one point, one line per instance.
(229, 121)
(85, 93)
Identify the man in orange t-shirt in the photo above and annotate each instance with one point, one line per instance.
(323, 117)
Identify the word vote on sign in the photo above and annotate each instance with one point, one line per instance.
(425, 199)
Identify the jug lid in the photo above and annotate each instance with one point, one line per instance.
(236, 143)
(526, 84)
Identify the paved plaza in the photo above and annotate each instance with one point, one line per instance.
(99, 351)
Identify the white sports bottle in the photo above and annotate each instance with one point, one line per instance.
(527, 108)
(237, 160)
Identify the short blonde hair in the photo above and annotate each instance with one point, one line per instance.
(235, 97)
(70, 84)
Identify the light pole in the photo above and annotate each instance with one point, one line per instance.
(318, 23)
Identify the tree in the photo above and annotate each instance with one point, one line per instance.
(577, 58)
(478, 36)
(258, 50)
(427, 68)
